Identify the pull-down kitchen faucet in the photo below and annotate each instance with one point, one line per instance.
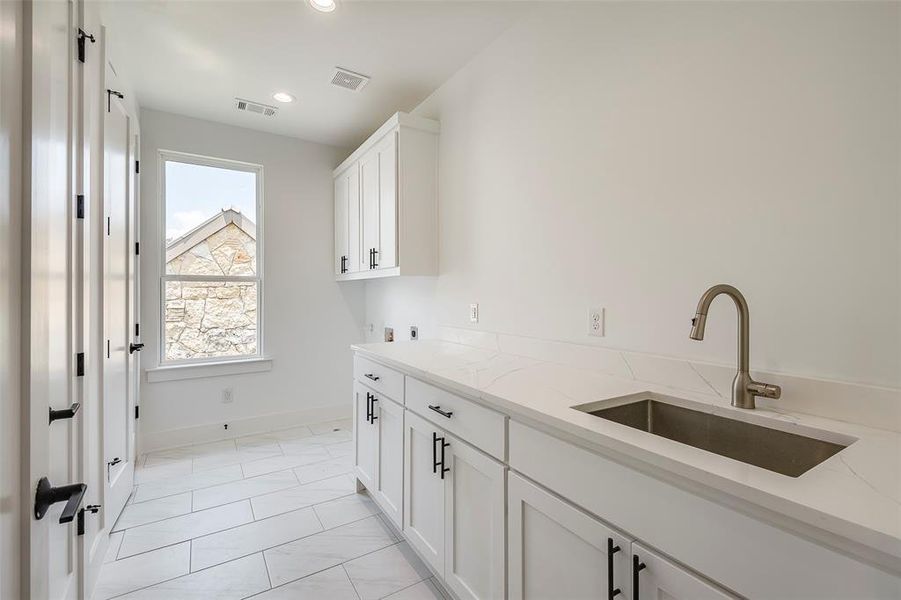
(744, 389)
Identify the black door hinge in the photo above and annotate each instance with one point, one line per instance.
(107, 348)
(137, 411)
(82, 36)
(107, 225)
(109, 96)
(79, 364)
(137, 248)
(137, 166)
(79, 206)
(137, 330)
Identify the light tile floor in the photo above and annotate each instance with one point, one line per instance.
(272, 516)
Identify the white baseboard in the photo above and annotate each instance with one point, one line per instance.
(186, 436)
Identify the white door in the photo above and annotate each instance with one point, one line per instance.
(117, 418)
(424, 488)
(389, 491)
(134, 289)
(474, 523)
(365, 437)
(387, 240)
(342, 255)
(659, 578)
(50, 286)
(369, 201)
(557, 551)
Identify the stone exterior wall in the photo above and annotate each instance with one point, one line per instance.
(209, 319)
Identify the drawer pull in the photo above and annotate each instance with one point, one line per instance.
(371, 377)
(637, 566)
(612, 590)
(443, 413)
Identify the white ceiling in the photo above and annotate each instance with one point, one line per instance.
(194, 57)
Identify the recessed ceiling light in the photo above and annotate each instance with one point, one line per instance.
(323, 5)
(283, 97)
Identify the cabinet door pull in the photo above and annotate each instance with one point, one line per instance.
(444, 469)
(435, 462)
(372, 415)
(637, 566)
(612, 590)
(375, 263)
(368, 407)
(443, 413)
(371, 377)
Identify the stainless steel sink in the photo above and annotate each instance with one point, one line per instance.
(780, 451)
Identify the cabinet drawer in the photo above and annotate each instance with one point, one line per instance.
(481, 427)
(379, 377)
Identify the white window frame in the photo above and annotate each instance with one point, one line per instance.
(220, 163)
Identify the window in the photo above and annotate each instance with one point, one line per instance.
(211, 285)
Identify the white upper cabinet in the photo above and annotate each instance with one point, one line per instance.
(386, 203)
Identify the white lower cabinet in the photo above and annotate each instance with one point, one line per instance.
(424, 490)
(389, 484)
(365, 437)
(474, 523)
(379, 449)
(454, 511)
(558, 551)
(659, 578)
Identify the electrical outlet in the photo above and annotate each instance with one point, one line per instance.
(228, 396)
(596, 322)
(473, 313)
(414, 332)
(389, 334)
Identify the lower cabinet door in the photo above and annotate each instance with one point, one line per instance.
(424, 489)
(365, 437)
(475, 547)
(389, 491)
(557, 551)
(660, 578)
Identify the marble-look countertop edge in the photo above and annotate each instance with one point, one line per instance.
(809, 520)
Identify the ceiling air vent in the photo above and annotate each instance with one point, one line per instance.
(255, 107)
(349, 80)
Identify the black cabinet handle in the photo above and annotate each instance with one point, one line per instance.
(91, 508)
(444, 469)
(443, 413)
(132, 348)
(612, 590)
(344, 264)
(370, 257)
(368, 407)
(64, 413)
(637, 566)
(375, 263)
(372, 377)
(435, 462)
(372, 415)
(47, 495)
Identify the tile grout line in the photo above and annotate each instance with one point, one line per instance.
(350, 579)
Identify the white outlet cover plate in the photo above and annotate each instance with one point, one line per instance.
(473, 313)
(596, 322)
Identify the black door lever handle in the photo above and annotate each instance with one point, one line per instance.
(64, 413)
(132, 348)
(47, 495)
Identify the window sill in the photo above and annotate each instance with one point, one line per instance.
(210, 369)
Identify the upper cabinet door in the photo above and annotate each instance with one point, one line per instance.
(347, 221)
(371, 204)
(342, 256)
(659, 578)
(387, 249)
(557, 551)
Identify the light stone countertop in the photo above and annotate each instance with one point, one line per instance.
(854, 497)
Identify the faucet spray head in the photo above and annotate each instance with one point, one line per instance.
(698, 323)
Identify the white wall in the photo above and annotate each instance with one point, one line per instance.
(629, 155)
(310, 320)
